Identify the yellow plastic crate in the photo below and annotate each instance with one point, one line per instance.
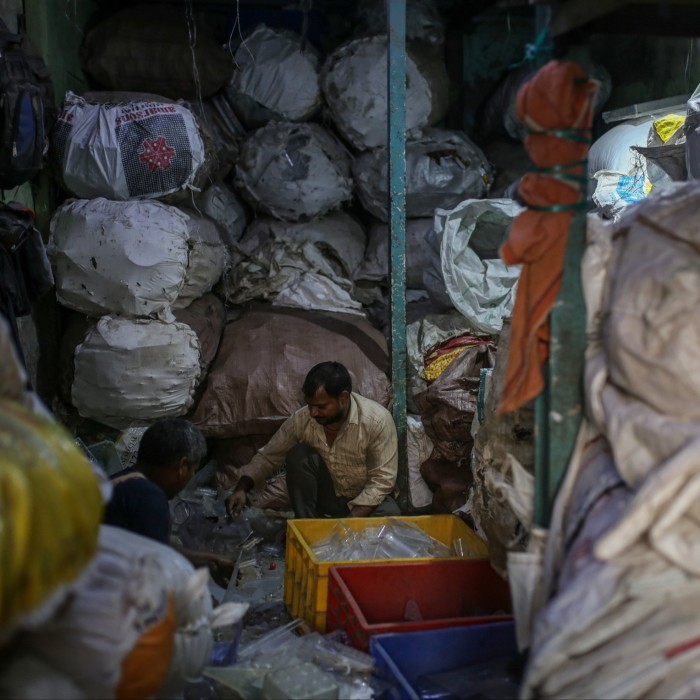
(306, 578)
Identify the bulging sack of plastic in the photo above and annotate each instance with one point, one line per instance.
(353, 79)
(272, 254)
(127, 258)
(443, 168)
(50, 512)
(479, 284)
(206, 260)
(129, 370)
(128, 150)
(276, 77)
(220, 202)
(294, 171)
(139, 606)
(613, 150)
(375, 265)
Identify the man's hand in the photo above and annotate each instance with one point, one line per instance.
(236, 501)
(361, 511)
(220, 569)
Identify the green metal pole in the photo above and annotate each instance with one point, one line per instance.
(396, 108)
(559, 409)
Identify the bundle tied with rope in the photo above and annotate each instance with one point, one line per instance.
(556, 107)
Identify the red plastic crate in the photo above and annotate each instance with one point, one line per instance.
(367, 600)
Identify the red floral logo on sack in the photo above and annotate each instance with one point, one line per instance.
(156, 153)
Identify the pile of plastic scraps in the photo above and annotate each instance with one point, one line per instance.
(312, 665)
(393, 540)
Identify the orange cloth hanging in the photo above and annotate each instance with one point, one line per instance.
(556, 106)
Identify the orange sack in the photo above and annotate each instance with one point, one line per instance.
(556, 106)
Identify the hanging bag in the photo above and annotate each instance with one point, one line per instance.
(26, 109)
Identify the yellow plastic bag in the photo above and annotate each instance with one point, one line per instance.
(50, 511)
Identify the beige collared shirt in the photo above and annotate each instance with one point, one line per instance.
(362, 461)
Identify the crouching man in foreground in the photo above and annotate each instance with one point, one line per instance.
(170, 452)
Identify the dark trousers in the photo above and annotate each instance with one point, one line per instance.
(311, 491)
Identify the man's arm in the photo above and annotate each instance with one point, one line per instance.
(268, 460)
(219, 567)
(235, 502)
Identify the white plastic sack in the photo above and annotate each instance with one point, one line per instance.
(206, 260)
(128, 150)
(375, 266)
(315, 292)
(126, 258)
(294, 171)
(123, 591)
(443, 168)
(354, 83)
(479, 284)
(193, 604)
(613, 150)
(651, 332)
(419, 447)
(615, 191)
(220, 202)
(135, 369)
(273, 254)
(274, 70)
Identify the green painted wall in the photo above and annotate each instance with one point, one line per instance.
(57, 27)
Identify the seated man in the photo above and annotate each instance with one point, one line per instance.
(340, 451)
(170, 452)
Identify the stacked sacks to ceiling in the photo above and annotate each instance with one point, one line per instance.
(128, 265)
(293, 267)
(128, 260)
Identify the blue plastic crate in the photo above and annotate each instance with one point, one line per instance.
(424, 664)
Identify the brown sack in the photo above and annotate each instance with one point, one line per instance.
(206, 316)
(255, 381)
(448, 405)
(147, 49)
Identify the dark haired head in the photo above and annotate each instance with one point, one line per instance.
(332, 376)
(166, 442)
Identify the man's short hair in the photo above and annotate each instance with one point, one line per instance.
(169, 440)
(332, 376)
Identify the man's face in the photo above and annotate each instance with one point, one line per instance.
(180, 477)
(326, 410)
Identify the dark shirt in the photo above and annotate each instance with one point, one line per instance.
(139, 505)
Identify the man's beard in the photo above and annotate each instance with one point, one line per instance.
(327, 420)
